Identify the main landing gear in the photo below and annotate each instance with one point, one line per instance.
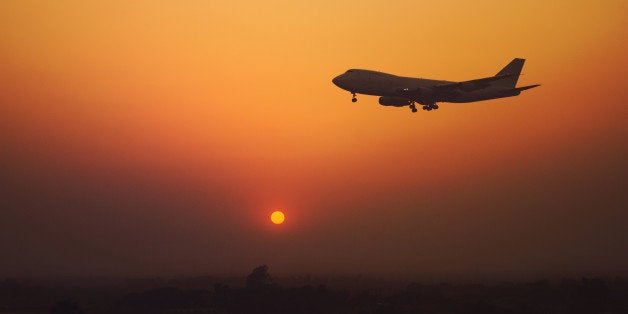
(430, 107)
(427, 107)
(353, 99)
(413, 107)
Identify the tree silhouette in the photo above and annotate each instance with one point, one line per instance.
(259, 279)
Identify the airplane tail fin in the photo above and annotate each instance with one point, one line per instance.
(512, 72)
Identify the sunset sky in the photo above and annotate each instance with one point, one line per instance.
(156, 137)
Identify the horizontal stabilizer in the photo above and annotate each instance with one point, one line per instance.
(527, 87)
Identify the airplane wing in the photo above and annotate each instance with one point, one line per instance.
(469, 86)
(455, 88)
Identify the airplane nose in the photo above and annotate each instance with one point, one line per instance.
(336, 80)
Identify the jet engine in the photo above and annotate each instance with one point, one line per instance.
(393, 101)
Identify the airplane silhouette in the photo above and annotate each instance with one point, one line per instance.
(399, 91)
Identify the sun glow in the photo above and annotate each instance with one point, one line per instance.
(277, 217)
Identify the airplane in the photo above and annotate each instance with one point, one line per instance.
(400, 91)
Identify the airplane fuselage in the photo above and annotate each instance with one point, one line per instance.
(376, 83)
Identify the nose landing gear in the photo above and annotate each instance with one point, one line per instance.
(353, 99)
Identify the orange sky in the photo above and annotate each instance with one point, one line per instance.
(227, 110)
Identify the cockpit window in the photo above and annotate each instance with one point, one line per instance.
(350, 71)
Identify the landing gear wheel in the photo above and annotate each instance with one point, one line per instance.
(353, 99)
(435, 106)
(414, 110)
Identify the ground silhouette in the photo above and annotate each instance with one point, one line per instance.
(260, 293)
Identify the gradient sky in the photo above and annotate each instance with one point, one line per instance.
(155, 138)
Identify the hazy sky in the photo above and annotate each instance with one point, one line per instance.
(155, 137)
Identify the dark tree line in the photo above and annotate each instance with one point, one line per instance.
(261, 294)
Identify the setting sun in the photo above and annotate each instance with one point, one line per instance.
(277, 217)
